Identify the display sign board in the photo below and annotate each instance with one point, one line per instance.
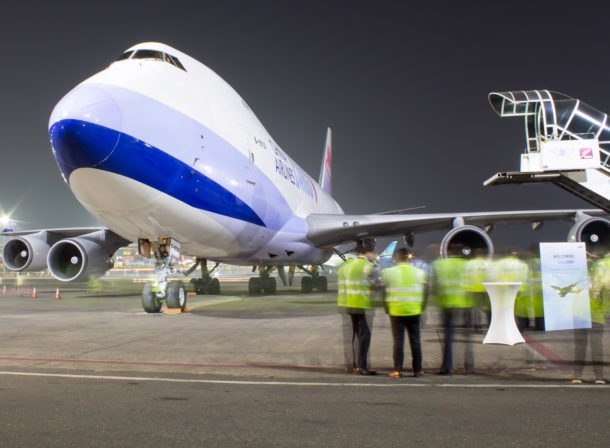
(565, 286)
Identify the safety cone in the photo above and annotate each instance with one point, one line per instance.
(34, 295)
(57, 295)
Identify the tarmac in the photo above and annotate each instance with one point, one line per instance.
(289, 336)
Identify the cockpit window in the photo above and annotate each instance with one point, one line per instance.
(174, 60)
(152, 54)
(148, 54)
(125, 55)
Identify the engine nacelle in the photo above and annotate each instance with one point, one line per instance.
(595, 233)
(466, 241)
(75, 258)
(25, 253)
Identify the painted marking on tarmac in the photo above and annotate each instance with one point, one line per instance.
(213, 302)
(297, 383)
(546, 352)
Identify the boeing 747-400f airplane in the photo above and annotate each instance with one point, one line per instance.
(165, 153)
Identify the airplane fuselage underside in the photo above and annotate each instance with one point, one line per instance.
(140, 212)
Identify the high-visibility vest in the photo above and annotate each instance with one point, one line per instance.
(449, 283)
(341, 283)
(534, 286)
(512, 269)
(358, 283)
(405, 285)
(600, 289)
(477, 271)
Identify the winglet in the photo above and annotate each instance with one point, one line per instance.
(325, 180)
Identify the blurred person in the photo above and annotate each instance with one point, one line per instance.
(534, 289)
(511, 268)
(477, 270)
(349, 336)
(362, 277)
(405, 297)
(598, 300)
(456, 308)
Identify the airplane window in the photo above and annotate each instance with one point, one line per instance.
(153, 54)
(174, 61)
(148, 54)
(125, 55)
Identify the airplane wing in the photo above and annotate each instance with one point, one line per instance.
(326, 230)
(67, 232)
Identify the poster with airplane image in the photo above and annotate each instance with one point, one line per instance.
(565, 286)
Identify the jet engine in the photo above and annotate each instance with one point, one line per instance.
(466, 241)
(26, 253)
(595, 232)
(74, 258)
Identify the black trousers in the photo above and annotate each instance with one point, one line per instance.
(362, 331)
(412, 326)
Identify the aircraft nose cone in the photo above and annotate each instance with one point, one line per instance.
(84, 128)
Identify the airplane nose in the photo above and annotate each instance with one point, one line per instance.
(84, 128)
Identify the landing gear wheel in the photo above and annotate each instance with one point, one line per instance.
(306, 284)
(255, 285)
(150, 302)
(321, 284)
(198, 286)
(176, 295)
(213, 287)
(269, 285)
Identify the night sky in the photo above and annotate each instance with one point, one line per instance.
(402, 84)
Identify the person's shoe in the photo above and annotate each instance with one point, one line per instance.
(362, 371)
(600, 381)
(420, 373)
(444, 372)
(576, 381)
(395, 374)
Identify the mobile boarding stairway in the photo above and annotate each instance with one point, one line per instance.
(567, 143)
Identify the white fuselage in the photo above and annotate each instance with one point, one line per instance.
(156, 150)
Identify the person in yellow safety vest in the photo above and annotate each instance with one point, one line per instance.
(599, 295)
(511, 268)
(476, 271)
(456, 306)
(405, 296)
(348, 333)
(361, 276)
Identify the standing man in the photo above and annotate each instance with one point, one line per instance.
(511, 268)
(349, 336)
(361, 276)
(456, 306)
(406, 292)
(594, 336)
(478, 270)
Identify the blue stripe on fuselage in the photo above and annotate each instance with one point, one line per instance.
(133, 158)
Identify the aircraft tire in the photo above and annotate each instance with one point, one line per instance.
(198, 286)
(306, 284)
(269, 285)
(255, 286)
(150, 302)
(176, 295)
(321, 284)
(213, 287)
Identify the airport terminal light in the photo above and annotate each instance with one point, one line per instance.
(8, 225)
